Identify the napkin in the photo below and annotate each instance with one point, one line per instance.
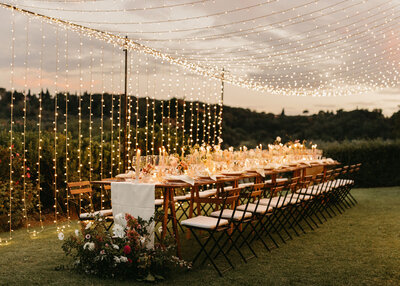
(212, 177)
(305, 163)
(183, 178)
(330, 160)
(273, 165)
(260, 172)
(128, 175)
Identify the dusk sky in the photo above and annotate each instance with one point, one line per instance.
(351, 61)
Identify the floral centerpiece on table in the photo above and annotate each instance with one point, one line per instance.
(148, 169)
(182, 166)
(125, 252)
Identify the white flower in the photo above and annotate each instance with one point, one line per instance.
(142, 239)
(87, 236)
(89, 246)
(115, 246)
(60, 236)
(103, 252)
(123, 259)
(119, 230)
(88, 225)
(116, 259)
(160, 229)
(120, 220)
(278, 139)
(76, 232)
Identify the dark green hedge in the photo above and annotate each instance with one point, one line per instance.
(380, 160)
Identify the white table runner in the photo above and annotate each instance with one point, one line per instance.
(134, 199)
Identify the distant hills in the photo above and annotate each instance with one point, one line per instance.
(240, 126)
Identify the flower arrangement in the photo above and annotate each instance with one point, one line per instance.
(124, 253)
(148, 169)
(182, 166)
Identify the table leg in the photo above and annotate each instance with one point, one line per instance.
(191, 206)
(235, 183)
(273, 178)
(165, 218)
(174, 222)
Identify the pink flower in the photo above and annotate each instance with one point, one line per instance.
(127, 249)
(28, 175)
(103, 252)
(129, 260)
(17, 154)
(107, 245)
(87, 236)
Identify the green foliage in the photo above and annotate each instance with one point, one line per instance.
(17, 202)
(245, 127)
(380, 160)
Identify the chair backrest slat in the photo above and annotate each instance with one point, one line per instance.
(77, 188)
(80, 191)
(78, 184)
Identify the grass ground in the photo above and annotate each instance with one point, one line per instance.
(360, 247)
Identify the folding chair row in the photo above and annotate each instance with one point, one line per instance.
(268, 212)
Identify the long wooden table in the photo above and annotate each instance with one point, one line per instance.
(168, 190)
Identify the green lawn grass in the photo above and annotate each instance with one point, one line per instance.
(360, 247)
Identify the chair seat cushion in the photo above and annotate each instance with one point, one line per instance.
(246, 185)
(204, 222)
(275, 202)
(228, 214)
(204, 194)
(253, 208)
(278, 180)
(309, 191)
(301, 197)
(180, 198)
(93, 214)
(314, 190)
(342, 182)
(158, 202)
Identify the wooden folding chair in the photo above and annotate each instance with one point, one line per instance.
(81, 192)
(213, 226)
(250, 213)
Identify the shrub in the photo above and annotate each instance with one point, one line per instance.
(17, 202)
(380, 160)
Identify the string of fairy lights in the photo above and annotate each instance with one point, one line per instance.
(24, 148)
(184, 78)
(144, 69)
(299, 89)
(6, 240)
(55, 184)
(66, 175)
(39, 125)
(112, 124)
